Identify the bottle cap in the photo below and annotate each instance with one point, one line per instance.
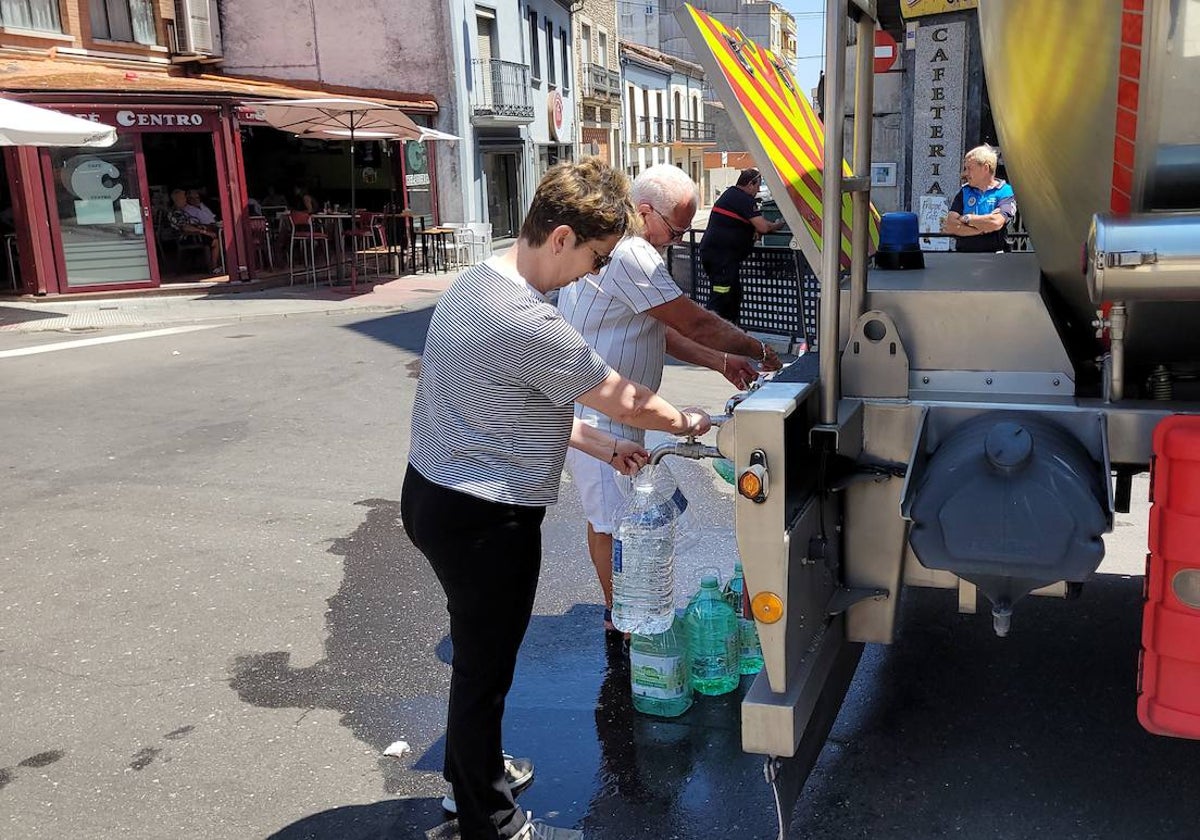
(709, 582)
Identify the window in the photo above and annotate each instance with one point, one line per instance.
(585, 44)
(633, 125)
(566, 65)
(124, 20)
(602, 49)
(551, 75)
(41, 15)
(535, 55)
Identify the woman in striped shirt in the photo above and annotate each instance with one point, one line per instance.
(491, 423)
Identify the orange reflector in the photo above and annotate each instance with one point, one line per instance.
(767, 607)
(749, 484)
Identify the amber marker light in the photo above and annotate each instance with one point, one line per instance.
(749, 484)
(767, 607)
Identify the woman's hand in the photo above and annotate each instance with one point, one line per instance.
(629, 457)
(698, 421)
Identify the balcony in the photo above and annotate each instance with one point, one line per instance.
(500, 93)
(654, 130)
(600, 83)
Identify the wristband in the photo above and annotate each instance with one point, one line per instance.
(763, 345)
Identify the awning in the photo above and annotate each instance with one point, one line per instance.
(57, 80)
(22, 124)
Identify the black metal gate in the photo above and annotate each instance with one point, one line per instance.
(780, 292)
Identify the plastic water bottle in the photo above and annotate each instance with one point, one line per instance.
(658, 672)
(643, 559)
(713, 642)
(750, 658)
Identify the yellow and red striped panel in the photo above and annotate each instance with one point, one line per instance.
(783, 122)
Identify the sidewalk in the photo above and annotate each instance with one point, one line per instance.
(62, 313)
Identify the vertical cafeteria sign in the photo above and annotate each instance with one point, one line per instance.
(939, 90)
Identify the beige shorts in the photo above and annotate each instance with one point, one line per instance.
(598, 489)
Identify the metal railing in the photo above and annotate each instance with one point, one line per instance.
(780, 292)
(601, 83)
(659, 130)
(501, 89)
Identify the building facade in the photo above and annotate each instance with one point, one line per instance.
(598, 74)
(98, 219)
(664, 112)
(515, 98)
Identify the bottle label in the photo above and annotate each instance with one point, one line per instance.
(748, 634)
(616, 558)
(657, 677)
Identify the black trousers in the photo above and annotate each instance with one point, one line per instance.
(726, 298)
(487, 557)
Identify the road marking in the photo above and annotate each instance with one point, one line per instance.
(107, 339)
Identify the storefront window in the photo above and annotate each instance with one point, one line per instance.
(124, 20)
(41, 15)
(100, 215)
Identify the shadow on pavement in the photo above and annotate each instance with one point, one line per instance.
(405, 330)
(10, 315)
(600, 766)
(393, 819)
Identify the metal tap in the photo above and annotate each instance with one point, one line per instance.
(689, 448)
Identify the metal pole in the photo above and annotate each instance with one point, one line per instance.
(864, 84)
(831, 209)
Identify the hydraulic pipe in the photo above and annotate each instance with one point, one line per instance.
(831, 209)
(1116, 340)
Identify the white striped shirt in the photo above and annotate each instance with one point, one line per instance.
(610, 313)
(499, 373)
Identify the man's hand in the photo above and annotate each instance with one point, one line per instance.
(740, 371)
(630, 457)
(770, 360)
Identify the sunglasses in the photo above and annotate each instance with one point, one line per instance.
(676, 233)
(599, 260)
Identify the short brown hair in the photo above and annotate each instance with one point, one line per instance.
(590, 197)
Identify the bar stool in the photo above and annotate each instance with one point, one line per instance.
(308, 237)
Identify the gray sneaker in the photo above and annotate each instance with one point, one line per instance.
(518, 772)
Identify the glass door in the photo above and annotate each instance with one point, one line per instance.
(102, 215)
(500, 172)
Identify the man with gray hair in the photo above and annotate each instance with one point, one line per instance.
(633, 315)
(984, 206)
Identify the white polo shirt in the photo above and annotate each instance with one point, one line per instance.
(609, 311)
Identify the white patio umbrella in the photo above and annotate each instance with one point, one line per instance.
(28, 125)
(327, 118)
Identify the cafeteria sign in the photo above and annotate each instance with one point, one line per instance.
(920, 8)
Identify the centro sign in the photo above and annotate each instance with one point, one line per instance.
(132, 118)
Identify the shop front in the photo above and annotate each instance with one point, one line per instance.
(110, 208)
(81, 220)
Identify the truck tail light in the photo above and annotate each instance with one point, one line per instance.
(1169, 701)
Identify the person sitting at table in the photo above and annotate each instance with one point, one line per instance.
(274, 198)
(303, 200)
(198, 212)
(183, 224)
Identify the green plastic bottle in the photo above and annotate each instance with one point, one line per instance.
(658, 672)
(750, 659)
(713, 641)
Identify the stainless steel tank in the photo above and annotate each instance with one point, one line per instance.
(1096, 108)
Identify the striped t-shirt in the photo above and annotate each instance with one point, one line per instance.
(501, 368)
(609, 311)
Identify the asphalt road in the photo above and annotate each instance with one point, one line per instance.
(211, 626)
